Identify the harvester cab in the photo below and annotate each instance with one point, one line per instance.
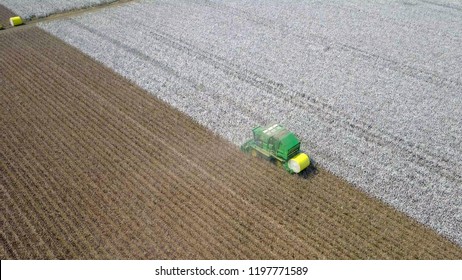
(277, 144)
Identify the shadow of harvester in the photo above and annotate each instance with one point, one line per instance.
(310, 171)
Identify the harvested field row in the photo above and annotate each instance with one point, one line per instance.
(376, 100)
(91, 166)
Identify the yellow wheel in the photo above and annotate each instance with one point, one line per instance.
(254, 153)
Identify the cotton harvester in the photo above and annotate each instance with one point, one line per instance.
(277, 144)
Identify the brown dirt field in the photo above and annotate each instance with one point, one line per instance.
(92, 167)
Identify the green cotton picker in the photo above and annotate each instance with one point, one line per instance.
(277, 144)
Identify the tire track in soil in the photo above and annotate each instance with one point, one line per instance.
(115, 162)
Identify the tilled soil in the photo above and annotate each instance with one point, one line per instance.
(93, 167)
